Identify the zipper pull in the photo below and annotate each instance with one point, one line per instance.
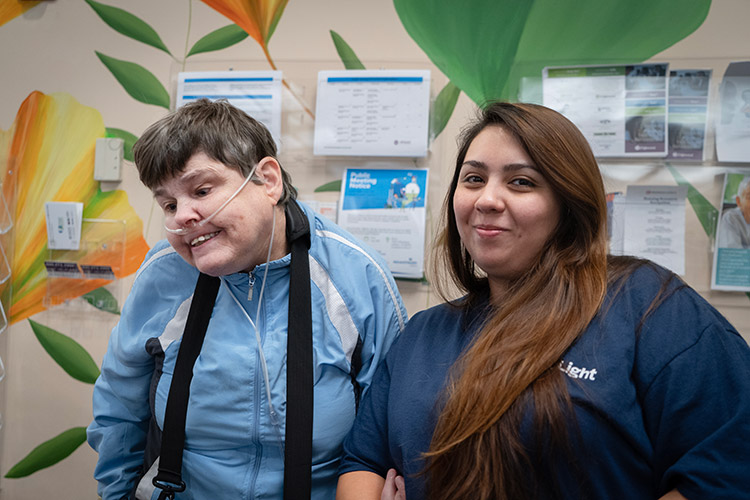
(251, 282)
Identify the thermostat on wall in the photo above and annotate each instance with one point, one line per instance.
(108, 159)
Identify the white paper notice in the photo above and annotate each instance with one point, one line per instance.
(655, 225)
(64, 220)
(386, 210)
(733, 126)
(621, 110)
(257, 93)
(372, 113)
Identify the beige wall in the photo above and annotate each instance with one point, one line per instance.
(51, 49)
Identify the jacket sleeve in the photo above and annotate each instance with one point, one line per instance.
(121, 403)
(388, 320)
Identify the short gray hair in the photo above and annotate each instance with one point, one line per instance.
(216, 128)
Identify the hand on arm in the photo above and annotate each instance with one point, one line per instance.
(394, 488)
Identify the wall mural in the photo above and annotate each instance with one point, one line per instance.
(517, 40)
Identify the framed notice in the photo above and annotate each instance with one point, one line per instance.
(372, 113)
(621, 109)
(257, 93)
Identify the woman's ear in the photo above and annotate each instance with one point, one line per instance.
(269, 172)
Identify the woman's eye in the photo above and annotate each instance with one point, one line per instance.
(170, 207)
(523, 182)
(472, 179)
(202, 192)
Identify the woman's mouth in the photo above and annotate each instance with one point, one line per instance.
(488, 230)
(202, 239)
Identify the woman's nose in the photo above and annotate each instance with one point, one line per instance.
(186, 214)
(490, 199)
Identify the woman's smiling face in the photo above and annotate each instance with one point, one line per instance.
(237, 238)
(505, 209)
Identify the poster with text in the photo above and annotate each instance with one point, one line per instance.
(621, 109)
(372, 113)
(385, 208)
(654, 225)
(688, 112)
(731, 266)
(733, 125)
(257, 93)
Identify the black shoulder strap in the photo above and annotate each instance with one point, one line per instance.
(299, 376)
(169, 477)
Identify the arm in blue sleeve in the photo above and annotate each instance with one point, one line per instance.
(366, 447)
(121, 410)
(697, 412)
(386, 324)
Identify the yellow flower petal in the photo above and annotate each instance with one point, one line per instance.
(48, 155)
(10, 9)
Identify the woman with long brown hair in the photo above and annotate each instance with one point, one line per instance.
(562, 372)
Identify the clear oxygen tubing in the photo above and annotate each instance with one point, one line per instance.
(264, 367)
(185, 230)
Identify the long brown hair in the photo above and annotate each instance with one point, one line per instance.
(476, 450)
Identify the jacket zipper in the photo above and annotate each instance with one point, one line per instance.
(251, 282)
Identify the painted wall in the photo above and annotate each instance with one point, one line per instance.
(51, 48)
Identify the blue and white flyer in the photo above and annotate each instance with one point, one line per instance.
(372, 113)
(621, 109)
(386, 209)
(257, 93)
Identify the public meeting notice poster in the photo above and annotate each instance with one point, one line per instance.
(385, 208)
(621, 109)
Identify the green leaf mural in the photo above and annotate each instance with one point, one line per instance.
(49, 453)
(330, 186)
(705, 211)
(137, 81)
(347, 55)
(102, 299)
(485, 47)
(128, 138)
(127, 24)
(68, 353)
(443, 108)
(219, 39)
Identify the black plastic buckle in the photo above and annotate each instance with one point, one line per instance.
(168, 489)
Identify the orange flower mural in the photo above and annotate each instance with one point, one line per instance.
(48, 155)
(257, 17)
(10, 9)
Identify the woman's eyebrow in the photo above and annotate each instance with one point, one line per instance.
(190, 177)
(509, 167)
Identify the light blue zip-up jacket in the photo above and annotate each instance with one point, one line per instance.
(232, 450)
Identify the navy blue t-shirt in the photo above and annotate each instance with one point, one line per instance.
(660, 405)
